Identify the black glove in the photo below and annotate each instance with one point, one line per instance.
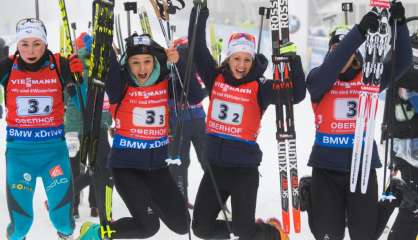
(397, 11)
(203, 3)
(369, 21)
(410, 198)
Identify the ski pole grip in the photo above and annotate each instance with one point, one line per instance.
(131, 6)
(262, 11)
(347, 7)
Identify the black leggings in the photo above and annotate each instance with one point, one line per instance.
(241, 184)
(333, 206)
(149, 196)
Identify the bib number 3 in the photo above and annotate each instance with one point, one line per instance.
(345, 109)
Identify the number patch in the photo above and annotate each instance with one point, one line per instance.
(226, 112)
(345, 109)
(149, 117)
(33, 106)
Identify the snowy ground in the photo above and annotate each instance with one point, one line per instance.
(268, 196)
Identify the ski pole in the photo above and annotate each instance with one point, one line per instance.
(130, 6)
(187, 80)
(262, 12)
(37, 9)
(74, 28)
(346, 8)
(390, 113)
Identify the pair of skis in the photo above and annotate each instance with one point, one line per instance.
(376, 45)
(286, 135)
(91, 113)
(98, 72)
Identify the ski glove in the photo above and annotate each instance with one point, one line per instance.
(370, 21)
(203, 3)
(397, 11)
(288, 49)
(410, 198)
(285, 88)
(76, 66)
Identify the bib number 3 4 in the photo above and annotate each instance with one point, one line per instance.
(31, 106)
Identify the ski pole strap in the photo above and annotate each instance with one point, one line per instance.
(160, 8)
(172, 8)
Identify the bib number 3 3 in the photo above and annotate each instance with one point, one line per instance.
(226, 112)
(31, 106)
(149, 117)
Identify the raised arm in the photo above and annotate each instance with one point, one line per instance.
(115, 83)
(205, 64)
(321, 79)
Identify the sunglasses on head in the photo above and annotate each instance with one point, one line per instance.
(247, 36)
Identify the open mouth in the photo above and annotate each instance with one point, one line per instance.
(142, 75)
(32, 59)
(239, 73)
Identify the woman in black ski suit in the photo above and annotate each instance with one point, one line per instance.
(334, 87)
(138, 92)
(238, 97)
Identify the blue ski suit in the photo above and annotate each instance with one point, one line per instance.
(35, 147)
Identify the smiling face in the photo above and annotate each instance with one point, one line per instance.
(141, 66)
(240, 64)
(31, 49)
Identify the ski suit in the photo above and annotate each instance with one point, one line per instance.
(333, 97)
(234, 153)
(138, 153)
(35, 141)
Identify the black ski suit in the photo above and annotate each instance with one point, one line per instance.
(141, 175)
(234, 162)
(332, 205)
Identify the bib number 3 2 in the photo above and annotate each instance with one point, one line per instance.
(226, 112)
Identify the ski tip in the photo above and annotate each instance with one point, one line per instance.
(286, 222)
(296, 220)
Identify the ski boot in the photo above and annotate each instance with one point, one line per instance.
(305, 184)
(278, 226)
(64, 237)
(89, 231)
